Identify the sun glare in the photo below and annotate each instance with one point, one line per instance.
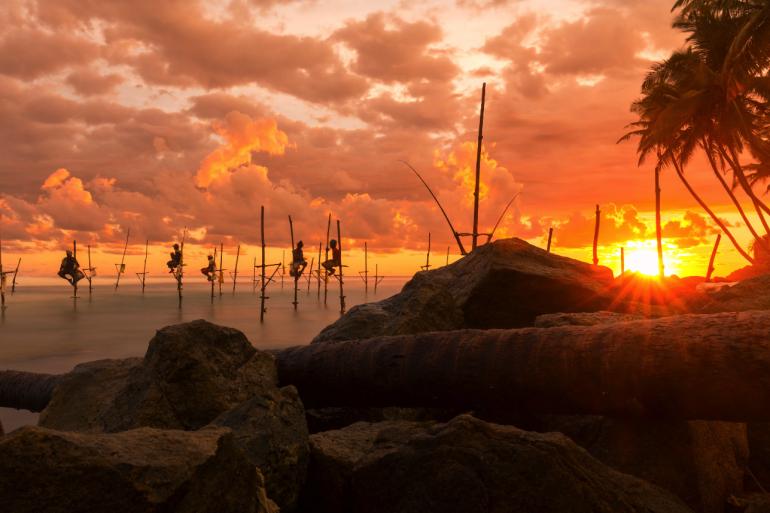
(642, 260)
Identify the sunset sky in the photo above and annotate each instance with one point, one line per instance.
(155, 115)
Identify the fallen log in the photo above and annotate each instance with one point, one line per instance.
(684, 367)
(26, 390)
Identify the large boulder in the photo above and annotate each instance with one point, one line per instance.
(750, 294)
(702, 462)
(583, 319)
(192, 375)
(505, 284)
(759, 454)
(272, 431)
(467, 465)
(139, 471)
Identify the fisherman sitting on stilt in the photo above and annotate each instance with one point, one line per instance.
(334, 261)
(176, 259)
(298, 262)
(210, 271)
(70, 269)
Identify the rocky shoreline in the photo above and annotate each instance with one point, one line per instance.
(512, 380)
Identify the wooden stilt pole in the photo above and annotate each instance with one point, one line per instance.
(447, 255)
(2, 278)
(254, 275)
(342, 292)
(478, 169)
(179, 274)
(90, 270)
(235, 272)
(622, 260)
(550, 236)
(318, 270)
(143, 275)
(75, 281)
(122, 266)
(326, 271)
(596, 235)
(262, 282)
(710, 269)
(283, 266)
(213, 279)
(293, 270)
(658, 228)
(365, 273)
(221, 263)
(427, 257)
(15, 275)
(310, 274)
(377, 277)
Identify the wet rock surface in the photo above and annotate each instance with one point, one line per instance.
(467, 465)
(194, 374)
(505, 284)
(142, 470)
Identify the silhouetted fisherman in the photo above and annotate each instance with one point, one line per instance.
(176, 259)
(70, 269)
(298, 262)
(210, 271)
(335, 260)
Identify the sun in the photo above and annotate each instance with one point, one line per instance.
(642, 260)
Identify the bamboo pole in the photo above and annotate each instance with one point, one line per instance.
(293, 270)
(75, 282)
(710, 269)
(339, 245)
(377, 277)
(179, 275)
(622, 260)
(550, 236)
(447, 255)
(283, 266)
(90, 271)
(2, 278)
(326, 271)
(318, 271)
(235, 272)
(254, 275)
(221, 263)
(478, 169)
(658, 229)
(262, 282)
(365, 273)
(143, 274)
(215, 275)
(596, 235)
(122, 265)
(310, 274)
(15, 275)
(427, 257)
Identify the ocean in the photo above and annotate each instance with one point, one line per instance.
(44, 329)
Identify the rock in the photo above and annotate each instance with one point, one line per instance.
(750, 503)
(702, 462)
(194, 374)
(583, 319)
(1, 429)
(142, 470)
(759, 453)
(750, 294)
(504, 284)
(467, 465)
(190, 374)
(272, 431)
(327, 419)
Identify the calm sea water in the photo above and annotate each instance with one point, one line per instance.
(44, 330)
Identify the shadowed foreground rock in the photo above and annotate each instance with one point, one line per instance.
(685, 367)
(505, 284)
(702, 462)
(26, 390)
(194, 374)
(469, 466)
(139, 471)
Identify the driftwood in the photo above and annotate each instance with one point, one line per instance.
(686, 367)
(26, 390)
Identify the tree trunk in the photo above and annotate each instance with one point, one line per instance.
(658, 229)
(722, 226)
(26, 390)
(685, 367)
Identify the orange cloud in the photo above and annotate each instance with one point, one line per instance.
(242, 136)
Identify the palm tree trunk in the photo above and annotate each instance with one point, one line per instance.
(658, 230)
(734, 162)
(680, 367)
(708, 148)
(717, 221)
